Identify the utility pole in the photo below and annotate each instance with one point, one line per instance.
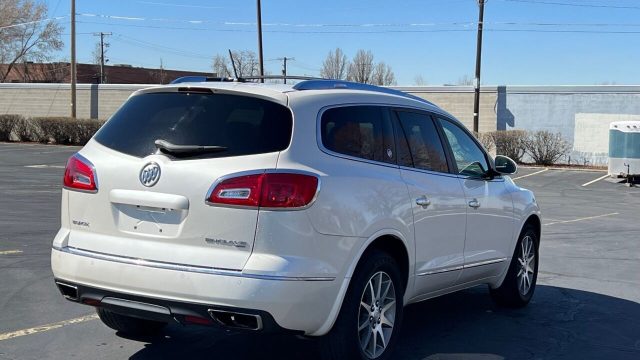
(259, 9)
(284, 67)
(74, 80)
(476, 102)
(102, 44)
(161, 72)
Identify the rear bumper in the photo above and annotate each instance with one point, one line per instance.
(170, 310)
(296, 304)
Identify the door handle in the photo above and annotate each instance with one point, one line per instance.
(474, 203)
(423, 201)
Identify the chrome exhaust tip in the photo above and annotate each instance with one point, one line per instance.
(236, 320)
(70, 292)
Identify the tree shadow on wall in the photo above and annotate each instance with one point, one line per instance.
(504, 116)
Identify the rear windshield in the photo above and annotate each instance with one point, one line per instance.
(244, 125)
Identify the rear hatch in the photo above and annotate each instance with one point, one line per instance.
(150, 204)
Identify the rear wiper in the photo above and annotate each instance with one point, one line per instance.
(177, 150)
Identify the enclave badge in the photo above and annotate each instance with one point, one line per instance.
(150, 174)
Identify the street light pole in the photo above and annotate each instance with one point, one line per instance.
(74, 80)
(476, 101)
(259, 10)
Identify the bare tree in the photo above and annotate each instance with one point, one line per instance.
(96, 54)
(545, 147)
(419, 80)
(383, 75)
(465, 80)
(361, 68)
(222, 66)
(335, 65)
(246, 62)
(25, 34)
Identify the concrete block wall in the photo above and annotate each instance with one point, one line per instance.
(458, 101)
(532, 108)
(100, 101)
(554, 108)
(93, 101)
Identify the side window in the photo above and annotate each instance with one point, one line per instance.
(423, 141)
(360, 131)
(469, 158)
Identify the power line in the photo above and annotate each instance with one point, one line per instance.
(362, 32)
(575, 4)
(464, 24)
(179, 5)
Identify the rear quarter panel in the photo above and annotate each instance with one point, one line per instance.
(358, 199)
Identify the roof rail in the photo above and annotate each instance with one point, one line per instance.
(279, 77)
(325, 84)
(240, 79)
(185, 79)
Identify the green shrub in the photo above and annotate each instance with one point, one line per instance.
(50, 130)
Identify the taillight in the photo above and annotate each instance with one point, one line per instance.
(80, 175)
(242, 190)
(268, 190)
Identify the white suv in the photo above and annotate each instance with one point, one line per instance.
(319, 209)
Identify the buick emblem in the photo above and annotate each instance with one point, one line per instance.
(150, 174)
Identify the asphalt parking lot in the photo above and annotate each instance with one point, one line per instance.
(586, 306)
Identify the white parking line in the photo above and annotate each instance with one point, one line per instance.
(43, 328)
(44, 166)
(534, 173)
(9, 252)
(582, 219)
(596, 180)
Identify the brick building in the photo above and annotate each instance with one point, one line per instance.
(59, 72)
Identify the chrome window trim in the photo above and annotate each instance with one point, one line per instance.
(499, 178)
(462, 267)
(181, 267)
(429, 172)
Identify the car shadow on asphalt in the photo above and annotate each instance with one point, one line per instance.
(559, 323)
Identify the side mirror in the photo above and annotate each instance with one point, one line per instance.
(505, 165)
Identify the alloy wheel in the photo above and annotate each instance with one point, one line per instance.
(527, 265)
(376, 315)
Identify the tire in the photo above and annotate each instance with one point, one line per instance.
(520, 282)
(354, 320)
(129, 325)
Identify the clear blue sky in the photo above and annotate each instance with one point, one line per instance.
(584, 42)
